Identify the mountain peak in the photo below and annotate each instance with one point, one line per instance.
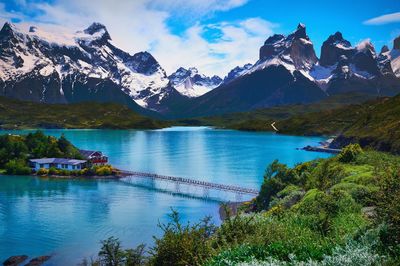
(301, 31)
(301, 26)
(384, 49)
(7, 29)
(32, 29)
(366, 46)
(95, 27)
(333, 48)
(396, 43)
(98, 28)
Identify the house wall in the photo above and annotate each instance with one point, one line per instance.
(58, 166)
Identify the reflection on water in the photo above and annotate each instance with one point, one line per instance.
(69, 217)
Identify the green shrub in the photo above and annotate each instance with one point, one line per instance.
(42, 171)
(83, 172)
(350, 153)
(388, 208)
(182, 245)
(64, 172)
(17, 167)
(54, 171)
(104, 170)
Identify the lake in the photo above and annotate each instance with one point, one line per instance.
(68, 218)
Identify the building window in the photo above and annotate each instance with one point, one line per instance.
(41, 165)
(73, 167)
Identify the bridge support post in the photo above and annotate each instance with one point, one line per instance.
(177, 187)
(206, 192)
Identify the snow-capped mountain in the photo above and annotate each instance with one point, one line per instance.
(60, 68)
(190, 83)
(294, 52)
(288, 71)
(343, 68)
(394, 56)
(236, 72)
(65, 67)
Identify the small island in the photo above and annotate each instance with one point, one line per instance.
(41, 155)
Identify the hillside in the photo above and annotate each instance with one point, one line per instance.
(260, 119)
(373, 124)
(16, 114)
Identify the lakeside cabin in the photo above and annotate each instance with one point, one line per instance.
(59, 163)
(90, 158)
(94, 157)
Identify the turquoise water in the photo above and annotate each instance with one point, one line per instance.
(68, 218)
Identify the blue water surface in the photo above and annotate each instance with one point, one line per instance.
(68, 218)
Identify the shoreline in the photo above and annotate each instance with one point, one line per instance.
(70, 176)
(323, 147)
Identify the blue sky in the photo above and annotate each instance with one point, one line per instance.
(213, 35)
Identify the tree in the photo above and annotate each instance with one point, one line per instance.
(183, 245)
(135, 257)
(111, 253)
(17, 167)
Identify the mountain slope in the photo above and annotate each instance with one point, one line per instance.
(289, 72)
(277, 78)
(190, 83)
(66, 68)
(17, 114)
(373, 124)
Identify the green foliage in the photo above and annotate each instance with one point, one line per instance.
(42, 171)
(103, 170)
(182, 244)
(261, 119)
(17, 167)
(53, 171)
(21, 115)
(136, 256)
(349, 153)
(388, 209)
(15, 150)
(277, 177)
(311, 214)
(111, 253)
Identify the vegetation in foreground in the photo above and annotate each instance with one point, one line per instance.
(21, 115)
(338, 211)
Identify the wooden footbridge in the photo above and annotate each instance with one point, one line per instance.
(206, 186)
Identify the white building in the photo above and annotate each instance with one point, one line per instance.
(59, 163)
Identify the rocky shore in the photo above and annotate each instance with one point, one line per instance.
(23, 260)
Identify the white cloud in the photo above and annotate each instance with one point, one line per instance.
(384, 19)
(142, 25)
(193, 9)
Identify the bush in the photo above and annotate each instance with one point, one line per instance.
(388, 208)
(111, 253)
(349, 153)
(17, 167)
(182, 244)
(104, 170)
(64, 172)
(42, 171)
(54, 171)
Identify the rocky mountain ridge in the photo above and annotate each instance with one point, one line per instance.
(86, 66)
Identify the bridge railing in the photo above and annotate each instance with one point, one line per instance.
(195, 182)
